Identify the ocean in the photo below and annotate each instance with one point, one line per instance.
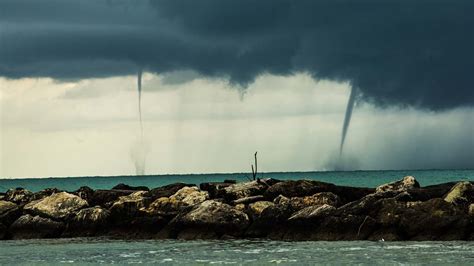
(238, 252)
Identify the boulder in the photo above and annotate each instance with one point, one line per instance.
(123, 186)
(9, 212)
(127, 207)
(190, 196)
(255, 209)
(57, 206)
(408, 182)
(471, 210)
(434, 219)
(461, 194)
(210, 218)
(28, 226)
(168, 190)
(186, 196)
(91, 218)
(19, 196)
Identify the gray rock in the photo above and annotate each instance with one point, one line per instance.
(128, 207)
(57, 206)
(94, 217)
(255, 209)
(211, 216)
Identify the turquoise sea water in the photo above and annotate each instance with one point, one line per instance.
(348, 178)
(237, 252)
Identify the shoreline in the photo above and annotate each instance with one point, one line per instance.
(291, 210)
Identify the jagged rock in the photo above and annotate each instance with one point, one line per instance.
(210, 217)
(312, 213)
(28, 226)
(57, 206)
(123, 186)
(168, 190)
(408, 182)
(19, 196)
(9, 212)
(348, 227)
(461, 194)
(127, 207)
(255, 209)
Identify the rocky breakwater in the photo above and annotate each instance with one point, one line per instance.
(264, 208)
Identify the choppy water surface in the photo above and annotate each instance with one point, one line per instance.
(234, 252)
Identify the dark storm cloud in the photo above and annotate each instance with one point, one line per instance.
(405, 52)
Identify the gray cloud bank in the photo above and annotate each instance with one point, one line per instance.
(417, 53)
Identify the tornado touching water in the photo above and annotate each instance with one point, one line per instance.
(139, 148)
(347, 118)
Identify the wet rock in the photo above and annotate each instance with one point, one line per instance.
(312, 213)
(408, 182)
(255, 209)
(57, 206)
(128, 207)
(210, 217)
(123, 186)
(168, 190)
(28, 226)
(349, 227)
(9, 212)
(19, 196)
(461, 194)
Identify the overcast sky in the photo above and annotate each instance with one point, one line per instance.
(223, 79)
